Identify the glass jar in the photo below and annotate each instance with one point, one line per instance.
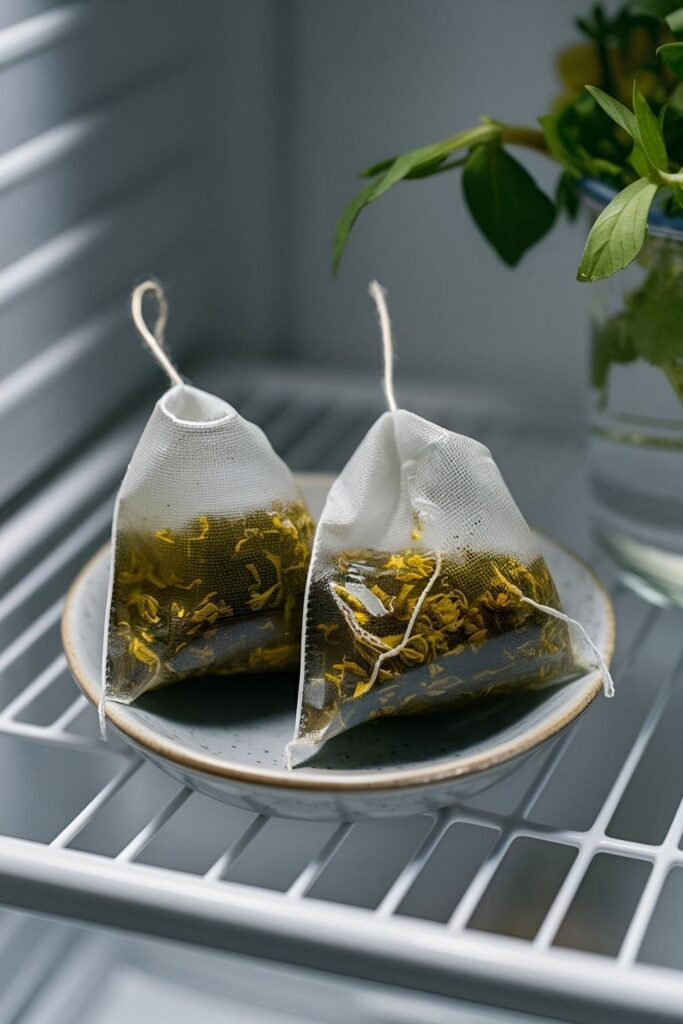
(636, 436)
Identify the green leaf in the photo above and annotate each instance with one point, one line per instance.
(383, 165)
(675, 21)
(422, 170)
(566, 195)
(649, 131)
(612, 343)
(588, 132)
(654, 8)
(437, 168)
(426, 155)
(673, 128)
(648, 324)
(403, 165)
(654, 314)
(410, 164)
(639, 161)
(346, 222)
(678, 195)
(549, 124)
(618, 234)
(505, 201)
(671, 54)
(624, 117)
(600, 166)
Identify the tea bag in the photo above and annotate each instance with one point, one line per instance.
(210, 544)
(426, 588)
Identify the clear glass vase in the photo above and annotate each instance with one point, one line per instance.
(636, 446)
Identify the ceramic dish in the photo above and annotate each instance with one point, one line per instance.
(226, 737)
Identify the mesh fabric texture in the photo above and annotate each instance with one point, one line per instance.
(210, 546)
(411, 486)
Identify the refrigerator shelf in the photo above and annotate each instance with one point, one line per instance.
(557, 892)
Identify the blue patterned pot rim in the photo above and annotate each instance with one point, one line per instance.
(597, 195)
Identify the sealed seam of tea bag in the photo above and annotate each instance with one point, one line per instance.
(426, 587)
(210, 545)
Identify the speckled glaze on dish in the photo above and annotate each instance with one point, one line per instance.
(226, 737)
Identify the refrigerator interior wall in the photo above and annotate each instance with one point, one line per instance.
(161, 137)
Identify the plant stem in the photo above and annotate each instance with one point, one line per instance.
(670, 179)
(530, 138)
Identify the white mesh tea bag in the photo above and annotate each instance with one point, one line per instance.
(426, 588)
(210, 544)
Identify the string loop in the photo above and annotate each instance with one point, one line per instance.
(154, 341)
(379, 296)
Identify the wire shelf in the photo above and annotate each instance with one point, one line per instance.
(559, 891)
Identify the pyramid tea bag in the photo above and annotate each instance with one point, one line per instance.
(210, 544)
(426, 587)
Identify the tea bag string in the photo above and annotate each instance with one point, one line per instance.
(388, 652)
(154, 341)
(379, 296)
(607, 681)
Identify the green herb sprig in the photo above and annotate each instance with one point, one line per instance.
(590, 132)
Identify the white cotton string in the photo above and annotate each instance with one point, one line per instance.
(607, 681)
(379, 296)
(385, 655)
(388, 652)
(154, 341)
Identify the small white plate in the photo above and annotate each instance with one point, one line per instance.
(226, 737)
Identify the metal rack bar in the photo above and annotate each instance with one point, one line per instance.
(227, 859)
(669, 854)
(147, 834)
(40, 683)
(90, 810)
(598, 832)
(303, 883)
(451, 958)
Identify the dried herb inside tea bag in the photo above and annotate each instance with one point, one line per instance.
(409, 632)
(220, 596)
(426, 587)
(210, 544)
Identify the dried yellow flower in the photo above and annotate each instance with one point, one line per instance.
(224, 595)
(409, 631)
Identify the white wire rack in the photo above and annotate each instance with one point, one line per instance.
(557, 892)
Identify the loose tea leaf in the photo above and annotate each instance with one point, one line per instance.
(223, 595)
